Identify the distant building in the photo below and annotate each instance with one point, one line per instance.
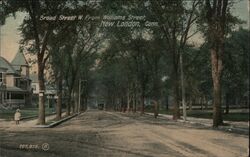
(34, 83)
(50, 91)
(15, 83)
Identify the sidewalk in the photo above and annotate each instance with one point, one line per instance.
(11, 125)
(232, 126)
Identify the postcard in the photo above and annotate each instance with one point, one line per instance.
(124, 78)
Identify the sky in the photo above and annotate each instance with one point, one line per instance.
(10, 37)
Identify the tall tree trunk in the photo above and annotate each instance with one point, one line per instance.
(128, 100)
(77, 103)
(142, 101)
(190, 104)
(134, 97)
(167, 103)
(156, 108)
(216, 75)
(59, 99)
(175, 78)
(176, 111)
(227, 103)
(136, 101)
(74, 102)
(216, 20)
(68, 105)
(41, 113)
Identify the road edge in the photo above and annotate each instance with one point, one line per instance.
(57, 122)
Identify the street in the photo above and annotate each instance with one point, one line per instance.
(106, 134)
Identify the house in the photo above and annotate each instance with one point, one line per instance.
(15, 84)
(2, 82)
(34, 83)
(50, 91)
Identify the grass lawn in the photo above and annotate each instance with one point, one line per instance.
(227, 117)
(236, 117)
(26, 112)
(209, 115)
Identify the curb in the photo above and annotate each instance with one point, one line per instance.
(57, 122)
(231, 129)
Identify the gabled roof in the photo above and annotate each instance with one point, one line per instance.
(5, 64)
(19, 59)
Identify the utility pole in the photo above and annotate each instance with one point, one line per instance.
(184, 107)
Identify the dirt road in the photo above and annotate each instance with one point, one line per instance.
(107, 134)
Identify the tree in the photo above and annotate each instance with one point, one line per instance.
(41, 31)
(235, 73)
(176, 19)
(216, 19)
(57, 62)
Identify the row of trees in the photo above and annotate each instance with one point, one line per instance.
(148, 55)
(137, 63)
(67, 45)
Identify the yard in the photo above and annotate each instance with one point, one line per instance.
(26, 112)
(208, 114)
